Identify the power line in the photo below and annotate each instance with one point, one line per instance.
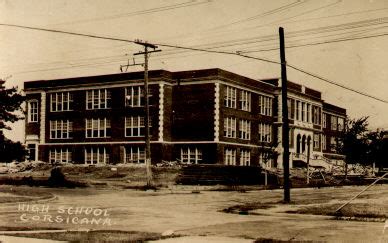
(201, 50)
(190, 3)
(68, 33)
(335, 83)
(134, 42)
(320, 43)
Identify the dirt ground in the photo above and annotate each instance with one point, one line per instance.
(176, 210)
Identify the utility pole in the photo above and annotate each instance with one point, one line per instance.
(285, 127)
(147, 107)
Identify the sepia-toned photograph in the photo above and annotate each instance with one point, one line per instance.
(185, 121)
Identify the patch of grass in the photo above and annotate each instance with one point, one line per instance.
(96, 236)
(268, 240)
(358, 210)
(21, 194)
(245, 208)
(24, 228)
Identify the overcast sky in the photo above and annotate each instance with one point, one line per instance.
(314, 30)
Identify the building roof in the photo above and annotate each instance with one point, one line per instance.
(333, 108)
(192, 75)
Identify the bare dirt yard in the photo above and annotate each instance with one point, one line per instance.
(213, 215)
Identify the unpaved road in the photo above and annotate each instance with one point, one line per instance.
(198, 214)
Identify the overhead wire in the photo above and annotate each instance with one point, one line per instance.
(207, 51)
(335, 83)
(140, 12)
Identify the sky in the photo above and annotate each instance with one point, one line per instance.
(344, 41)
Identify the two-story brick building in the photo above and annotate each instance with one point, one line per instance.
(202, 116)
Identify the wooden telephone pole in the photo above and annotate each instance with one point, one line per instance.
(147, 107)
(285, 127)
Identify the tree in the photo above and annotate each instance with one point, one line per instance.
(353, 142)
(10, 103)
(269, 153)
(376, 148)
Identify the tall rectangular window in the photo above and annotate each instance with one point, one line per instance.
(317, 116)
(324, 120)
(308, 112)
(303, 111)
(230, 97)
(245, 129)
(33, 111)
(60, 155)
(191, 155)
(134, 96)
(341, 124)
(316, 141)
(230, 156)
(265, 132)
(61, 101)
(245, 100)
(265, 105)
(297, 109)
(98, 99)
(98, 128)
(334, 122)
(61, 129)
(324, 142)
(135, 126)
(245, 157)
(135, 154)
(230, 127)
(333, 144)
(96, 155)
(289, 106)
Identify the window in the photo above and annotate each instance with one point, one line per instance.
(96, 155)
(98, 99)
(333, 144)
(61, 129)
(245, 129)
(290, 103)
(308, 112)
(191, 155)
(135, 154)
(60, 155)
(324, 142)
(297, 110)
(316, 141)
(334, 122)
(134, 96)
(245, 100)
(98, 128)
(230, 127)
(303, 111)
(265, 132)
(230, 156)
(33, 111)
(265, 105)
(317, 115)
(32, 151)
(245, 157)
(341, 124)
(230, 97)
(324, 120)
(135, 126)
(291, 137)
(62, 101)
